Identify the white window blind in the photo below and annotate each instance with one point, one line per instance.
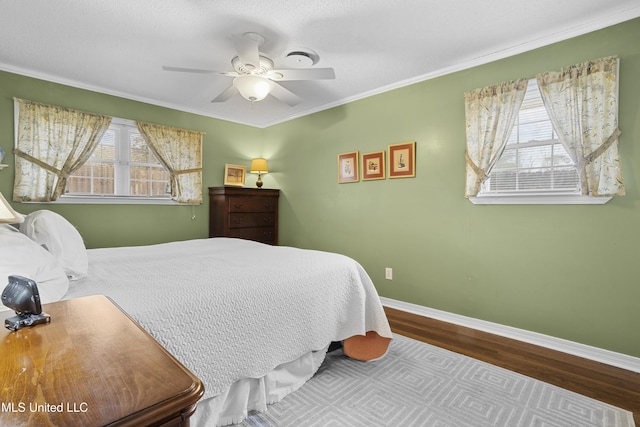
(533, 162)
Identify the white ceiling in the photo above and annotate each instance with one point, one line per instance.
(119, 46)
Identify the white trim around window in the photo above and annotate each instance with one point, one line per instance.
(112, 200)
(539, 199)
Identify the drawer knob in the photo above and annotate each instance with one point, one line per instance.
(237, 205)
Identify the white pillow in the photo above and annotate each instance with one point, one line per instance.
(60, 238)
(21, 256)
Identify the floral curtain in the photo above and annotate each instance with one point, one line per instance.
(582, 102)
(490, 116)
(180, 151)
(51, 143)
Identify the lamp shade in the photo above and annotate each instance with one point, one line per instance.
(7, 214)
(253, 88)
(258, 166)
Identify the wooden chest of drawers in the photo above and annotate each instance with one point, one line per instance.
(245, 213)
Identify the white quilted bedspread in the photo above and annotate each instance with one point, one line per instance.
(231, 309)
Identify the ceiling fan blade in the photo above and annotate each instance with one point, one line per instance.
(188, 70)
(285, 95)
(228, 93)
(302, 74)
(197, 70)
(247, 51)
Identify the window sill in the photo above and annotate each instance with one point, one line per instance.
(545, 199)
(114, 200)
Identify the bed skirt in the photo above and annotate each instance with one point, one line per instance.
(248, 394)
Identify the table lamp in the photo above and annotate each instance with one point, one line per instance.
(21, 294)
(7, 214)
(259, 166)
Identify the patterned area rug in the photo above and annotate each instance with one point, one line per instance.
(417, 384)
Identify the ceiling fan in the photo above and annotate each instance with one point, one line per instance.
(254, 76)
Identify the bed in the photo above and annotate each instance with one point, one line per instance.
(252, 321)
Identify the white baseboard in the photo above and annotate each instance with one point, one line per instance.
(608, 357)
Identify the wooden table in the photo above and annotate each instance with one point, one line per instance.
(91, 366)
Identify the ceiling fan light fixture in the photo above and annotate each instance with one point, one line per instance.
(253, 88)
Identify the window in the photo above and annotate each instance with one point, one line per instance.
(71, 156)
(533, 161)
(513, 154)
(122, 165)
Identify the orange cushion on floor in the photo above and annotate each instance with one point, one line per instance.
(366, 347)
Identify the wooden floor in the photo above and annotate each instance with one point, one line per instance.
(599, 381)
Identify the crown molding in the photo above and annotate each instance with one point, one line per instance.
(594, 25)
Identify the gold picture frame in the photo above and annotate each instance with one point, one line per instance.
(348, 167)
(234, 175)
(373, 166)
(402, 160)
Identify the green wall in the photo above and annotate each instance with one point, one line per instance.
(565, 271)
(122, 225)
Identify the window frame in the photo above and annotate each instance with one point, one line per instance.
(536, 197)
(539, 199)
(122, 162)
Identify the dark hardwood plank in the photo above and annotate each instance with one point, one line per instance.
(600, 381)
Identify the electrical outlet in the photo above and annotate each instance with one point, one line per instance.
(388, 273)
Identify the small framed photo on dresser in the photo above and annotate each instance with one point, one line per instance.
(373, 166)
(348, 167)
(402, 160)
(234, 175)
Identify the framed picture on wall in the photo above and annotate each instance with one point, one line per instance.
(402, 160)
(348, 167)
(373, 166)
(234, 175)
